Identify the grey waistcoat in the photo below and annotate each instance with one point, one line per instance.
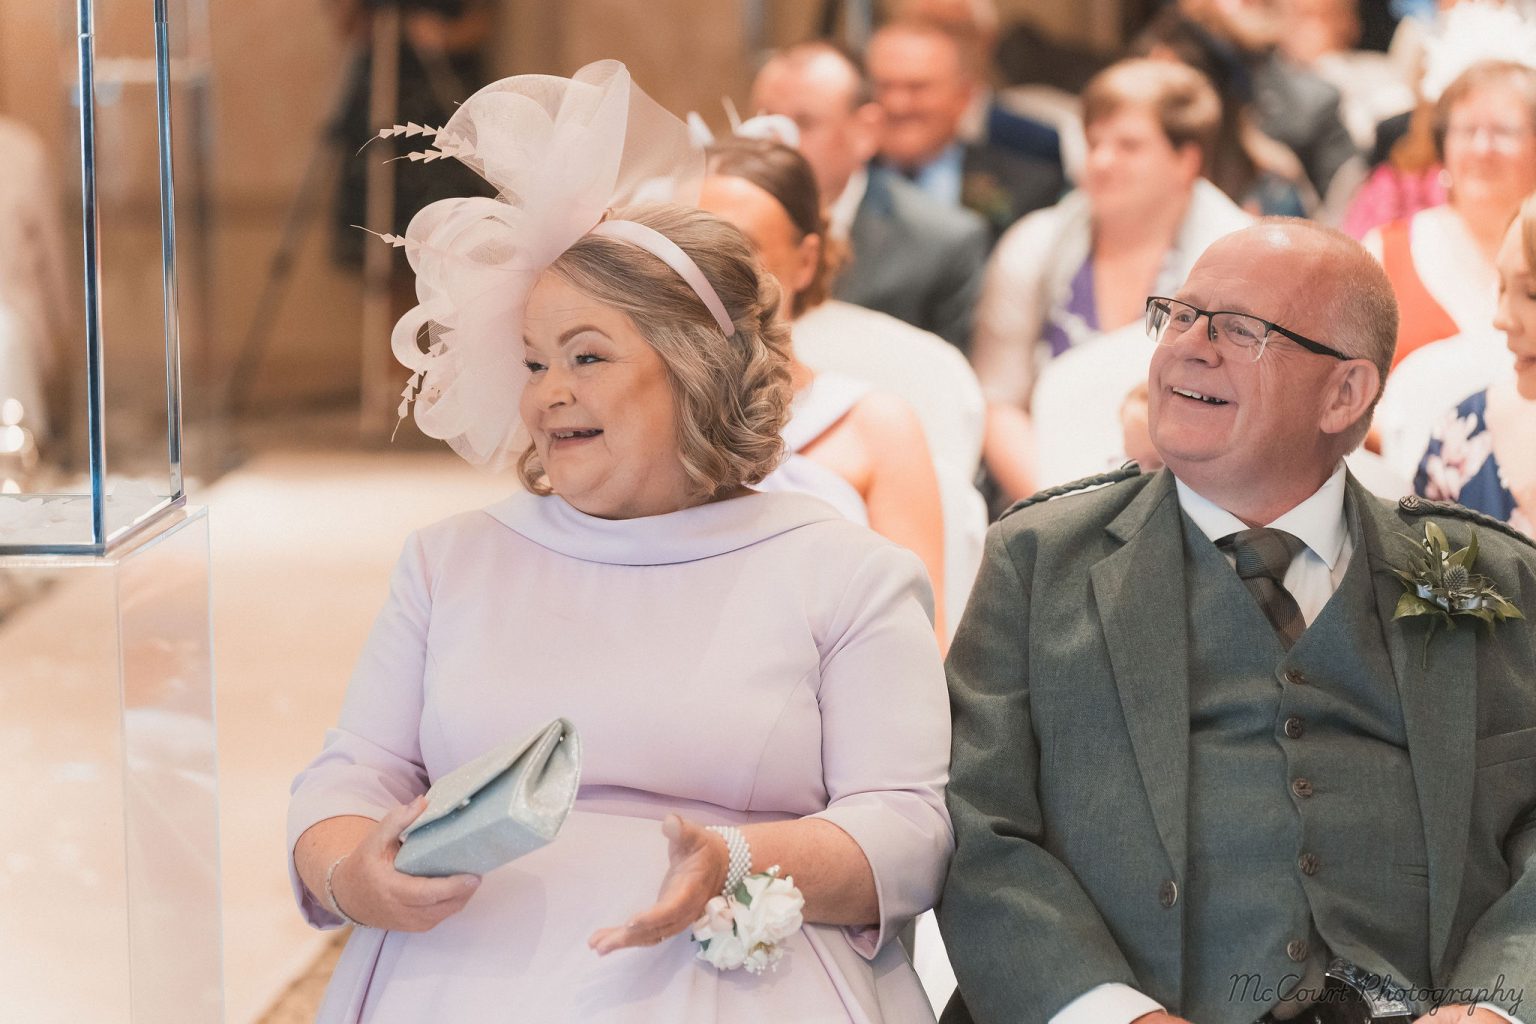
(1305, 838)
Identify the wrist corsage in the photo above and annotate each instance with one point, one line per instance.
(745, 926)
(1439, 583)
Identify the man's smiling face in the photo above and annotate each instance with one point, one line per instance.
(1214, 413)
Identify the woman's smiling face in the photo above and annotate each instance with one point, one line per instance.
(599, 407)
(1516, 315)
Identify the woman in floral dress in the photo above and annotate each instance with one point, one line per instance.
(1484, 454)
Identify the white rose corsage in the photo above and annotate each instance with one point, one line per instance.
(744, 928)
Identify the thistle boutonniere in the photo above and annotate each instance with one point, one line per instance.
(1440, 583)
(983, 193)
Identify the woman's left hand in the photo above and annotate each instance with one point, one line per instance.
(699, 862)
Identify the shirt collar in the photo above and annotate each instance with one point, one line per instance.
(973, 124)
(1318, 521)
(943, 177)
(841, 213)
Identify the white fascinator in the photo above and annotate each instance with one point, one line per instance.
(1471, 33)
(560, 153)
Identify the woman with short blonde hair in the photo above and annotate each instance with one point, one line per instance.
(1081, 270)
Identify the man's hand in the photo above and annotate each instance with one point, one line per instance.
(1461, 1013)
(1160, 1017)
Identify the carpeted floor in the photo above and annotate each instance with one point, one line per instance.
(298, 1003)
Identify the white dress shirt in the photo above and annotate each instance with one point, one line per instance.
(1317, 522)
(1312, 578)
(845, 208)
(943, 177)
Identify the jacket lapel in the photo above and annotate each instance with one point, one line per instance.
(1439, 702)
(1140, 594)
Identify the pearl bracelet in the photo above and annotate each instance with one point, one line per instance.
(741, 856)
(330, 893)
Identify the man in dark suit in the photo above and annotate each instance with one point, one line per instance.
(910, 256)
(1292, 105)
(924, 80)
(1197, 755)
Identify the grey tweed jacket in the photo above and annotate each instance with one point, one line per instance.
(1086, 592)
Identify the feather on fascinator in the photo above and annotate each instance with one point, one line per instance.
(560, 153)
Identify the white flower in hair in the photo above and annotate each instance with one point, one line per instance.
(773, 127)
(1470, 33)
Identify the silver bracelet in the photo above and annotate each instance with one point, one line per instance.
(330, 893)
(741, 856)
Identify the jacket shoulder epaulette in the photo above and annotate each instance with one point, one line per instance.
(1414, 505)
(1114, 476)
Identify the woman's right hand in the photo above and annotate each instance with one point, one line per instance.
(370, 890)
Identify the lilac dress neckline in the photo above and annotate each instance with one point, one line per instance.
(687, 535)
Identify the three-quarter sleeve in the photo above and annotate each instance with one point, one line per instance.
(371, 761)
(885, 737)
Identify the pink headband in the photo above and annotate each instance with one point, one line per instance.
(672, 254)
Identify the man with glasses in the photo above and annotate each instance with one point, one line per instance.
(1196, 758)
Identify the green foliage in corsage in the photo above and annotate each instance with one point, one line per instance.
(1440, 583)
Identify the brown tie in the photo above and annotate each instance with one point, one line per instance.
(1262, 557)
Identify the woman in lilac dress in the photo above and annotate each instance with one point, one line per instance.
(731, 659)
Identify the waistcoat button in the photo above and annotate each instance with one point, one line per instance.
(1294, 727)
(1295, 677)
(1296, 950)
(1308, 863)
(1168, 893)
(1301, 787)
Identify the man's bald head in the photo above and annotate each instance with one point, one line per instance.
(1333, 282)
(816, 63)
(824, 91)
(1254, 423)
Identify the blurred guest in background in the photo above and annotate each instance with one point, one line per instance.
(1292, 105)
(1409, 174)
(1322, 37)
(1259, 173)
(860, 450)
(440, 63)
(1066, 276)
(1484, 454)
(924, 79)
(904, 253)
(989, 120)
(1407, 177)
(1137, 433)
(34, 295)
(1042, 76)
(1441, 260)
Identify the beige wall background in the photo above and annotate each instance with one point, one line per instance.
(269, 72)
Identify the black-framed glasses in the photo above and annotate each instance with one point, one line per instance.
(1169, 319)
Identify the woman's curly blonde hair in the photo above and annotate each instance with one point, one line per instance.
(732, 394)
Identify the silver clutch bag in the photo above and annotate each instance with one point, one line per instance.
(505, 803)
